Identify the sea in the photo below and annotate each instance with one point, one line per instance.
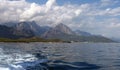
(59, 56)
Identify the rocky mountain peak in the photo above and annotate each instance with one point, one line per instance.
(63, 28)
(58, 30)
(23, 29)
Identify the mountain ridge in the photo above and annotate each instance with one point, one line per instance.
(59, 29)
(63, 32)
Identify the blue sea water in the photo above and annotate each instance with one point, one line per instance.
(59, 56)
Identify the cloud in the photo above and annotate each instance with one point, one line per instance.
(20, 10)
(30, 12)
(50, 4)
(98, 17)
(108, 2)
(52, 13)
(11, 10)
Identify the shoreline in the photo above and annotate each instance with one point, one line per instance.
(31, 40)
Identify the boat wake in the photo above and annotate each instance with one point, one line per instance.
(19, 61)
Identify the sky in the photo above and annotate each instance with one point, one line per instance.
(62, 2)
(101, 17)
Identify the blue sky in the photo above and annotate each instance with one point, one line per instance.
(77, 2)
(61, 2)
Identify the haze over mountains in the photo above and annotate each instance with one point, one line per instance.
(29, 29)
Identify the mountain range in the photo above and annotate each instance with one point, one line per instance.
(31, 29)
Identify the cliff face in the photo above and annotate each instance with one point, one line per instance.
(59, 30)
(23, 29)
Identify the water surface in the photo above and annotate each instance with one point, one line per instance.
(59, 56)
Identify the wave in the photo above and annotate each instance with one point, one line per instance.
(19, 61)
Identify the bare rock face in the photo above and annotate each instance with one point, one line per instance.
(59, 30)
(64, 29)
(23, 29)
(30, 29)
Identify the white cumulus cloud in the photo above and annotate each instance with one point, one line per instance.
(98, 17)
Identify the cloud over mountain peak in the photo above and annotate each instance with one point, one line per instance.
(97, 17)
(21, 10)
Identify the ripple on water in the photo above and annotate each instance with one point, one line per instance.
(19, 61)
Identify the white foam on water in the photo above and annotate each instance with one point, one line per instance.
(2, 68)
(17, 61)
